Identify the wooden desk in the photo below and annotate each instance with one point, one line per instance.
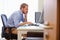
(25, 29)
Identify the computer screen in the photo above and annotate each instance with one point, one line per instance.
(39, 17)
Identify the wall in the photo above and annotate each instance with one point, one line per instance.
(40, 5)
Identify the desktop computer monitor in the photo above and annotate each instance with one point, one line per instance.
(39, 17)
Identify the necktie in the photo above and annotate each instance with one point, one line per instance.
(22, 17)
(25, 19)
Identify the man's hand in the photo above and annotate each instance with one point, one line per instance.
(29, 22)
(21, 24)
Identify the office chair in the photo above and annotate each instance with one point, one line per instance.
(4, 20)
(8, 35)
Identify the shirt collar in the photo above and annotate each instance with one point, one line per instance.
(21, 12)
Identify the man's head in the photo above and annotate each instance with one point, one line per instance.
(24, 8)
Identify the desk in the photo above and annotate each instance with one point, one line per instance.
(25, 29)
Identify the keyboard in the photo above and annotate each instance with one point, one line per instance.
(33, 25)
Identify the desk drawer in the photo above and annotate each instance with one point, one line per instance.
(35, 34)
(33, 38)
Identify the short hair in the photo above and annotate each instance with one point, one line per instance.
(23, 5)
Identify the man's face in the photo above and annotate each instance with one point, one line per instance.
(25, 10)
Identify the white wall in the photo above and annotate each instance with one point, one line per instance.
(40, 5)
(1, 11)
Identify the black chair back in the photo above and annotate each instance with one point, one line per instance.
(4, 19)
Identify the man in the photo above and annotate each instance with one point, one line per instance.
(18, 18)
